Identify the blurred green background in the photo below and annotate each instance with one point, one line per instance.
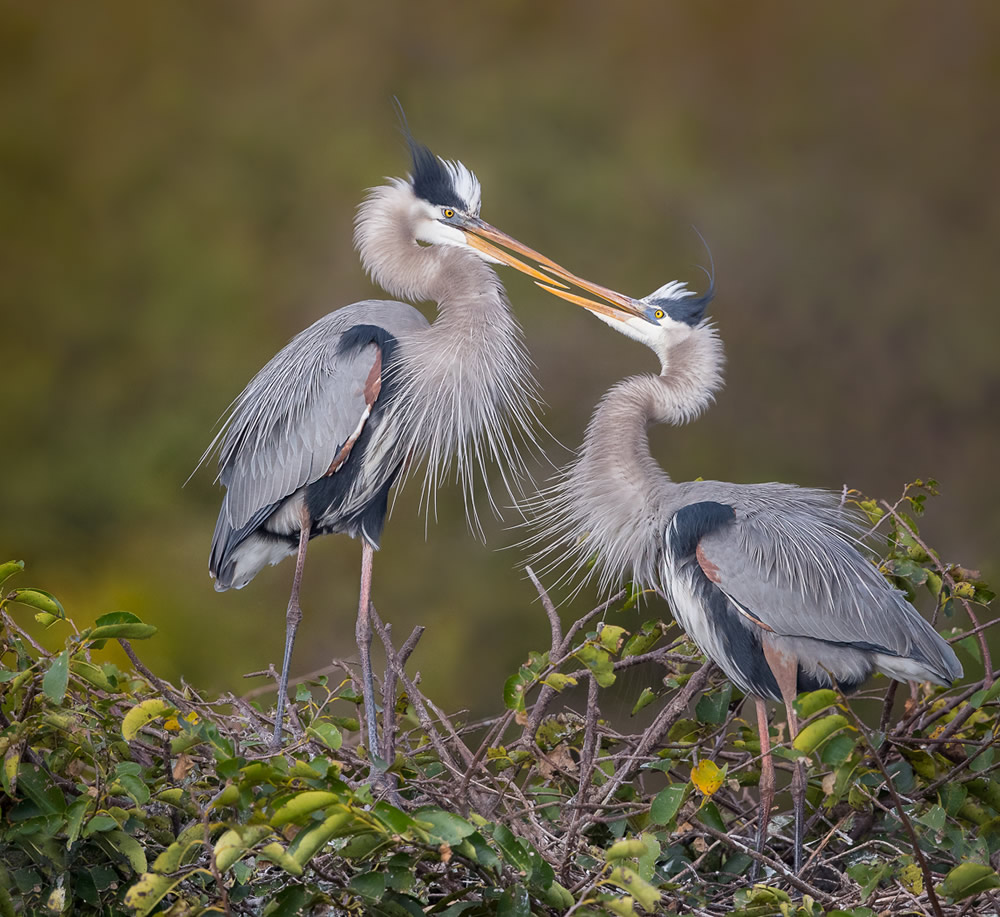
(177, 187)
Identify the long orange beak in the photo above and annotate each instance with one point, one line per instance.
(480, 235)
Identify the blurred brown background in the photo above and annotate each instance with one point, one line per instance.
(177, 185)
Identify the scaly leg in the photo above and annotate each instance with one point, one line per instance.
(798, 791)
(292, 618)
(785, 667)
(766, 786)
(363, 633)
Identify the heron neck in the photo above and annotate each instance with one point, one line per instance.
(621, 493)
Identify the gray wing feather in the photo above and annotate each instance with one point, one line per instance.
(791, 558)
(290, 422)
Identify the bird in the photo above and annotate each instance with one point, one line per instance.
(319, 437)
(772, 581)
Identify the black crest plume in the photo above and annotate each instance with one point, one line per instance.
(432, 180)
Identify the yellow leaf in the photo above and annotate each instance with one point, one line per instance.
(912, 879)
(173, 724)
(141, 714)
(707, 776)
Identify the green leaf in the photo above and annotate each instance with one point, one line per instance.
(813, 735)
(444, 827)
(57, 678)
(709, 814)
(143, 713)
(309, 841)
(630, 848)
(76, 812)
(188, 842)
(235, 843)
(558, 681)
(599, 662)
(38, 599)
(287, 903)
(645, 699)
(370, 885)
(128, 847)
(837, 750)
(277, 855)
(643, 641)
(986, 695)
(633, 884)
(90, 673)
(712, 708)
(148, 891)
(667, 803)
(934, 818)
(967, 880)
(303, 804)
(327, 733)
(119, 624)
(511, 849)
(611, 636)
(808, 704)
(8, 569)
(513, 693)
(514, 903)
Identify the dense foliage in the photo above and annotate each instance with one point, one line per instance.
(123, 794)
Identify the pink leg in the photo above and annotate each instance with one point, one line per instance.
(363, 633)
(293, 616)
(766, 781)
(785, 667)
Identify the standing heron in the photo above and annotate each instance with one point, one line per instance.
(765, 578)
(321, 434)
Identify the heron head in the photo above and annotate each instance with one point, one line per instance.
(660, 320)
(447, 199)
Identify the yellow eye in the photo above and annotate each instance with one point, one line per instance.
(658, 313)
(449, 213)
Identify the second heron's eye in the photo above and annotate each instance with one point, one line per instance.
(449, 213)
(658, 313)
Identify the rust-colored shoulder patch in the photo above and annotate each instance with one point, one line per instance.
(373, 384)
(708, 568)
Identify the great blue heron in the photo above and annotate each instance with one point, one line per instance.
(317, 439)
(767, 579)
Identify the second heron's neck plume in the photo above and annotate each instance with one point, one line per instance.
(609, 502)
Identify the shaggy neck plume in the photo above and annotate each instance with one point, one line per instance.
(466, 379)
(610, 500)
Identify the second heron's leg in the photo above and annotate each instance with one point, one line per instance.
(363, 633)
(292, 618)
(785, 667)
(766, 786)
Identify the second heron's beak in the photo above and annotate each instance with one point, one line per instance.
(480, 235)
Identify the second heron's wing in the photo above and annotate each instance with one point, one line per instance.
(788, 558)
